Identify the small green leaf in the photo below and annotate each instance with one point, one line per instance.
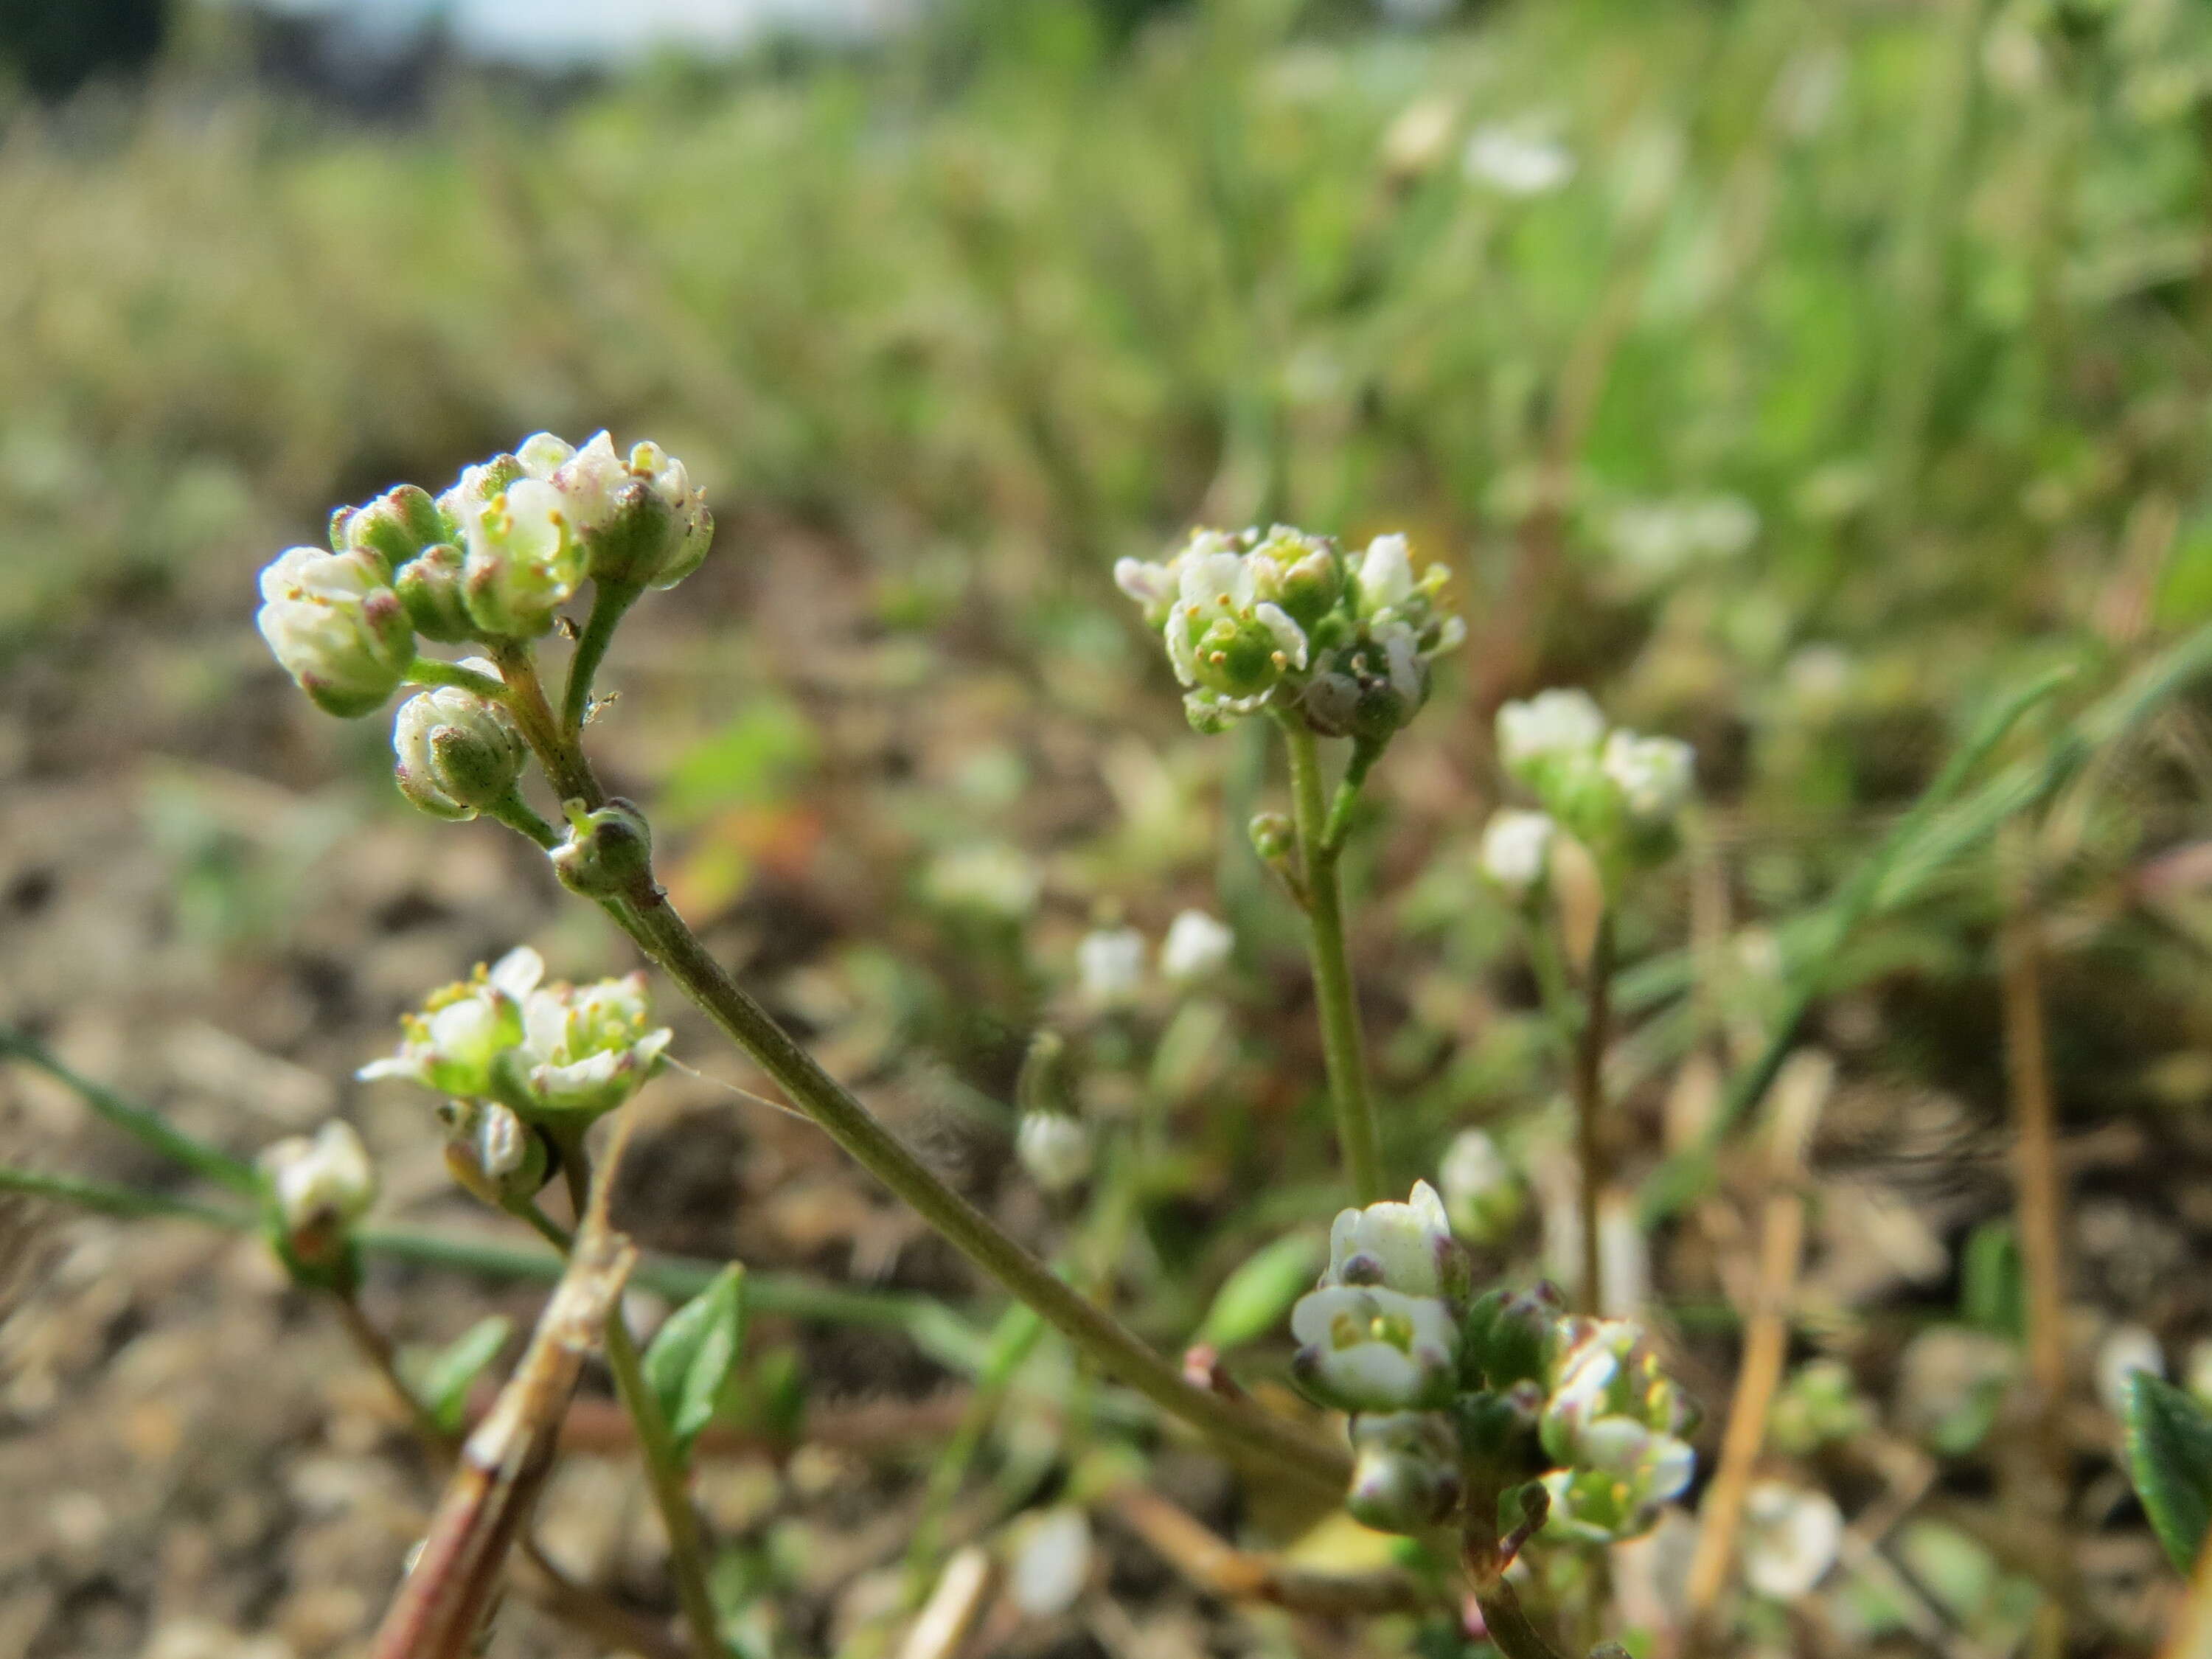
(691, 1363)
(442, 1377)
(1252, 1300)
(2170, 1459)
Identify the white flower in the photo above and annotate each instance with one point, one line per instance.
(1385, 576)
(1660, 538)
(334, 622)
(586, 1046)
(2128, 1349)
(521, 561)
(1407, 1248)
(1053, 1564)
(1150, 585)
(1054, 1148)
(451, 1046)
(1481, 1194)
(992, 878)
(1790, 1538)
(1196, 948)
(1366, 1348)
(639, 519)
(1558, 724)
(323, 1185)
(458, 753)
(1111, 963)
(1517, 849)
(1653, 773)
(1517, 159)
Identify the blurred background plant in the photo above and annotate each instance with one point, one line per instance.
(1803, 380)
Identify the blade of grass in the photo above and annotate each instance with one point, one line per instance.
(147, 1126)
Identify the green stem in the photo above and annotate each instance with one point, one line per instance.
(608, 601)
(121, 1201)
(1231, 1423)
(430, 671)
(440, 1442)
(520, 815)
(664, 1463)
(564, 765)
(1589, 1108)
(147, 1126)
(1342, 1044)
(1511, 1631)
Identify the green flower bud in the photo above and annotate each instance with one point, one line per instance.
(1300, 573)
(397, 526)
(640, 521)
(458, 753)
(1404, 1471)
(1508, 1334)
(432, 587)
(521, 558)
(1274, 837)
(334, 624)
(1482, 1195)
(608, 853)
(493, 1154)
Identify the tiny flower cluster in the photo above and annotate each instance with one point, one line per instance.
(1618, 793)
(492, 559)
(514, 1054)
(1453, 1396)
(1280, 618)
(1110, 962)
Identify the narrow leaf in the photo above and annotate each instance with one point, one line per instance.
(693, 1356)
(2170, 1459)
(442, 1379)
(1252, 1300)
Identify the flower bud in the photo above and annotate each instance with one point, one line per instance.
(1407, 1248)
(1516, 850)
(493, 1154)
(1197, 947)
(521, 558)
(1508, 1333)
(640, 521)
(1054, 1148)
(396, 526)
(1613, 1423)
(1300, 573)
(1482, 1195)
(609, 852)
(337, 627)
(1369, 1348)
(317, 1190)
(1404, 1471)
(458, 753)
(1274, 837)
(432, 587)
(1791, 1536)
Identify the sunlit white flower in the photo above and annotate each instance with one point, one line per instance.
(1052, 1564)
(1407, 1248)
(1517, 849)
(1196, 948)
(1517, 159)
(1790, 1538)
(334, 622)
(1653, 773)
(521, 560)
(588, 1048)
(449, 1047)
(1558, 724)
(1367, 1348)
(1385, 575)
(1110, 962)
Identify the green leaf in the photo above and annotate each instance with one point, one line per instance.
(693, 1356)
(2170, 1459)
(1252, 1300)
(442, 1377)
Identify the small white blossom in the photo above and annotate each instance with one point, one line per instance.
(1053, 1564)
(1517, 849)
(1517, 159)
(1367, 1348)
(1385, 576)
(586, 1046)
(1407, 1248)
(1196, 948)
(334, 622)
(521, 560)
(1790, 1538)
(1054, 1148)
(1653, 773)
(1110, 962)
(323, 1185)
(1660, 538)
(1558, 724)
(450, 1046)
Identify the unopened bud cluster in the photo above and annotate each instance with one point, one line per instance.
(1455, 1398)
(314, 1191)
(515, 1056)
(1618, 793)
(1279, 618)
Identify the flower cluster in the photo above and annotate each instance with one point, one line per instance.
(1456, 1397)
(1618, 793)
(513, 1054)
(492, 559)
(1280, 618)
